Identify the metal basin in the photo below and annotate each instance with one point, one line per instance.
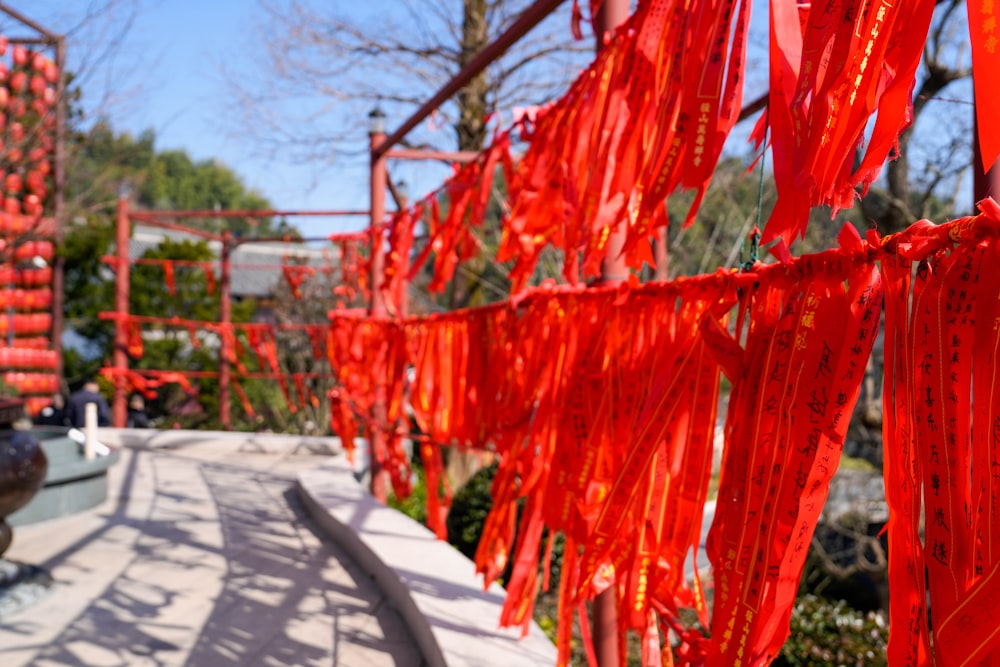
(22, 470)
(72, 483)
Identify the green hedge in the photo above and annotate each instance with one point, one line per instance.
(826, 633)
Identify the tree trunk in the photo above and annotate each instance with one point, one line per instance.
(471, 124)
(471, 131)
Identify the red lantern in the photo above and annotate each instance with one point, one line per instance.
(11, 224)
(4, 97)
(20, 55)
(37, 84)
(51, 72)
(32, 343)
(32, 277)
(4, 42)
(49, 96)
(39, 106)
(36, 154)
(18, 81)
(13, 183)
(15, 155)
(25, 299)
(18, 106)
(39, 61)
(32, 324)
(32, 383)
(32, 249)
(35, 179)
(3, 71)
(44, 167)
(32, 205)
(12, 205)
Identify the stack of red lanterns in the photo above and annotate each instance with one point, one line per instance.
(27, 146)
(27, 127)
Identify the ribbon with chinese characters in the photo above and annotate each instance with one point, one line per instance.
(985, 36)
(809, 334)
(909, 639)
(833, 66)
(945, 409)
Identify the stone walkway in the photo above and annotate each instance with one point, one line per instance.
(202, 555)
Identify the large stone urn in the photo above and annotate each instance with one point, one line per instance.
(22, 467)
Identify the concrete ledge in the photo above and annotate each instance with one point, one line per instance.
(432, 586)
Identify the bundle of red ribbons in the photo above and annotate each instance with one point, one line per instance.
(601, 405)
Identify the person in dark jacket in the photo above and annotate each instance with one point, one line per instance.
(137, 413)
(76, 410)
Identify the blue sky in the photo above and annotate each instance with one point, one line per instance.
(167, 77)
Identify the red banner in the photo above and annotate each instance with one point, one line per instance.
(985, 36)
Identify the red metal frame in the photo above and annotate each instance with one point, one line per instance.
(119, 402)
(430, 154)
(228, 242)
(149, 216)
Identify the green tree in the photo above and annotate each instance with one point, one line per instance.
(102, 161)
(172, 181)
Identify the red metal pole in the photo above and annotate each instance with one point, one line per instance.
(429, 154)
(661, 256)
(149, 216)
(378, 438)
(119, 405)
(226, 319)
(611, 14)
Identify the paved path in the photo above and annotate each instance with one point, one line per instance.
(201, 556)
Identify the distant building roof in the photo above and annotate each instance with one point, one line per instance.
(256, 266)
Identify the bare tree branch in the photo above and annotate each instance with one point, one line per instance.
(344, 62)
(945, 62)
